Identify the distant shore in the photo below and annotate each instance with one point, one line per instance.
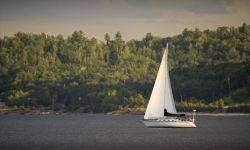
(130, 111)
(187, 113)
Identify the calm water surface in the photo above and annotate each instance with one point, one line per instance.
(97, 131)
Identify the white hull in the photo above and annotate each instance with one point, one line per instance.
(176, 123)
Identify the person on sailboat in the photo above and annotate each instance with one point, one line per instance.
(166, 113)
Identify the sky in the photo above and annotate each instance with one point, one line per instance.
(133, 18)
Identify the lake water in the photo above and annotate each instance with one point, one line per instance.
(118, 132)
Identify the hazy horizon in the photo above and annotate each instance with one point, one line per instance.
(133, 18)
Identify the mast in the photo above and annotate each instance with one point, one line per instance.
(165, 81)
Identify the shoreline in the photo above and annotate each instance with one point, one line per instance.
(122, 111)
(113, 113)
(187, 113)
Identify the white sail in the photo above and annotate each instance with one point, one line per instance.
(161, 96)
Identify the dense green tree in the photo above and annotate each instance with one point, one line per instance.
(90, 75)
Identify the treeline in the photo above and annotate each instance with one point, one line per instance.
(78, 73)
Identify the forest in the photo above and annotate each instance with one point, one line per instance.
(207, 68)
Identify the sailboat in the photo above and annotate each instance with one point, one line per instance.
(161, 111)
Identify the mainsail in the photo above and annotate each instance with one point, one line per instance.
(161, 96)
